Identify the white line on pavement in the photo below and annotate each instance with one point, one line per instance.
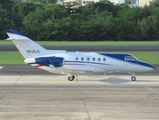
(1, 67)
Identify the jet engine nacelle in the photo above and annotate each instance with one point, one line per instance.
(55, 61)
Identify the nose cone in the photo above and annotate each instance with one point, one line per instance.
(148, 66)
(152, 67)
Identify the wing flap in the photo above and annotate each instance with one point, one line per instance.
(78, 71)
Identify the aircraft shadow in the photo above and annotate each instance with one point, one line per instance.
(115, 80)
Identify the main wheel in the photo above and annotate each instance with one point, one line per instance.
(133, 78)
(71, 78)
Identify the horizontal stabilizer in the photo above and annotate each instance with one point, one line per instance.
(16, 35)
(11, 31)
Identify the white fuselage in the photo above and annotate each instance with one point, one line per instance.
(93, 63)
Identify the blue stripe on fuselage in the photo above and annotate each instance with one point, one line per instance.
(121, 57)
(116, 56)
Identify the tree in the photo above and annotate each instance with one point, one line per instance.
(96, 8)
(149, 27)
(41, 20)
(95, 21)
(154, 3)
(128, 2)
(5, 22)
(6, 1)
(38, 1)
(19, 11)
(6, 4)
(130, 14)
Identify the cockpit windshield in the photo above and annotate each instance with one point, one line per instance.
(130, 58)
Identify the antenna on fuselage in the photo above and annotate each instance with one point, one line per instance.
(26, 70)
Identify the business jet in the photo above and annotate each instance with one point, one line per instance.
(76, 63)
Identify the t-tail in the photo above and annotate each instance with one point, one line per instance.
(25, 45)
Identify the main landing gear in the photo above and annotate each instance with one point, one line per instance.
(133, 78)
(71, 78)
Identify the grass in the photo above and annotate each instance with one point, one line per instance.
(150, 57)
(16, 58)
(90, 43)
(11, 58)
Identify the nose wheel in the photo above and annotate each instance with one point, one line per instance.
(71, 78)
(133, 78)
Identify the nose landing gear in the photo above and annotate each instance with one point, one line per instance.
(133, 78)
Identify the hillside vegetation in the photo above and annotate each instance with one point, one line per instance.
(92, 22)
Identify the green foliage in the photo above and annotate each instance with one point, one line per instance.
(6, 4)
(5, 22)
(149, 27)
(19, 11)
(44, 20)
(38, 1)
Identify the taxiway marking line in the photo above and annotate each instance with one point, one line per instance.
(1, 67)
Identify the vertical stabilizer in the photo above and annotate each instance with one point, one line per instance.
(25, 45)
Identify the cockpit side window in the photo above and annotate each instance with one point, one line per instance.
(130, 58)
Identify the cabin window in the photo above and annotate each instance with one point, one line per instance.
(76, 58)
(88, 59)
(104, 59)
(98, 59)
(93, 59)
(82, 58)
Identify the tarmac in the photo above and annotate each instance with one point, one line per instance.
(27, 93)
(53, 97)
(28, 69)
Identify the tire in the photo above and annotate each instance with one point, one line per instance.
(71, 78)
(133, 78)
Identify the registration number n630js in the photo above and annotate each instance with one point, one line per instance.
(33, 51)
